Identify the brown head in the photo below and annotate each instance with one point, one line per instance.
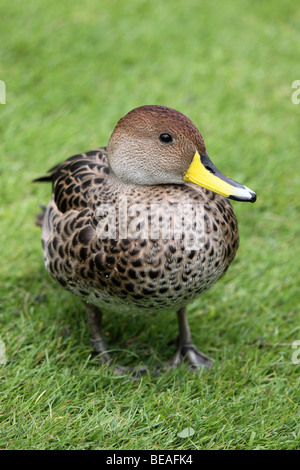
(159, 145)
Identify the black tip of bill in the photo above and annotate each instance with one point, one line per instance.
(246, 196)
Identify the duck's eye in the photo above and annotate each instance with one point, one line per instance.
(166, 138)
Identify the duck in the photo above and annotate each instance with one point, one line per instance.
(141, 226)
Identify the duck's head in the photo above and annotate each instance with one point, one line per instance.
(158, 145)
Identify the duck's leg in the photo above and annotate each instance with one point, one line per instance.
(94, 316)
(187, 351)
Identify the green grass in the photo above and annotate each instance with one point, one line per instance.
(71, 71)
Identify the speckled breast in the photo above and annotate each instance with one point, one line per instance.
(124, 255)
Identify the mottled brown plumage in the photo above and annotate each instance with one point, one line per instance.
(153, 272)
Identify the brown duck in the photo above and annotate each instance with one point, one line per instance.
(142, 225)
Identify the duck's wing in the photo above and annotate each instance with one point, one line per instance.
(72, 179)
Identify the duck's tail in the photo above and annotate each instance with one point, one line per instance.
(39, 220)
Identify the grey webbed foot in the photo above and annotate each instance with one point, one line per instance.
(94, 316)
(188, 353)
(186, 350)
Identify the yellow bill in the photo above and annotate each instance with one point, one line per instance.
(204, 173)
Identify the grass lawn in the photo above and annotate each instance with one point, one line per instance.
(71, 70)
